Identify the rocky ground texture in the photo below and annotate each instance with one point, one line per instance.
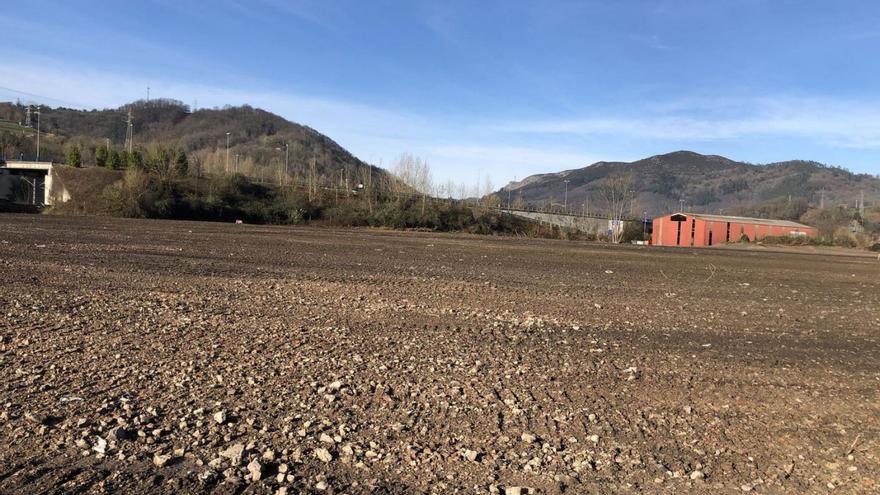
(175, 357)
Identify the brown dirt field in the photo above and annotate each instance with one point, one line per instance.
(360, 361)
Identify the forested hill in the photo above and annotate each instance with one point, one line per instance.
(258, 140)
(706, 183)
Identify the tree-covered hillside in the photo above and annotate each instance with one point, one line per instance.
(703, 183)
(261, 144)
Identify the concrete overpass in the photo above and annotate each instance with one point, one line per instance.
(26, 183)
(590, 224)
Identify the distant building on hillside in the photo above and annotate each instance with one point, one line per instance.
(698, 229)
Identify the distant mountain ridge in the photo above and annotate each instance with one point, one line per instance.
(705, 183)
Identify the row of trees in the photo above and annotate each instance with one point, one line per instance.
(165, 162)
(616, 192)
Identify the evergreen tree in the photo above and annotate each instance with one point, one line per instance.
(134, 159)
(114, 160)
(181, 162)
(101, 155)
(74, 156)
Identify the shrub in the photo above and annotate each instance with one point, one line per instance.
(795, 240)
(633, 231)
(843, 237)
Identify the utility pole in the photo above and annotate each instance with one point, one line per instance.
(37, 115)
(33, 184)
(236, 163)
(822, 200)
(565, 201)
(862, 204)
(286, 159)
(129, 132)
(227, 153)
(479, 187)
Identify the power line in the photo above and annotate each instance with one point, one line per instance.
(44, 97)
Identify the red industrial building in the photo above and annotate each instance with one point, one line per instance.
(698, 229)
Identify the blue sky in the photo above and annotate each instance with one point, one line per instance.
(501, 89)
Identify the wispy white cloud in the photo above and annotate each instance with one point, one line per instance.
(840, 123)
(460, 148)
(375, 134)
(652, 41)
(503, 162)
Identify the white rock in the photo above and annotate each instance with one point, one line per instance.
(256, 470)
(234, 453)
(323, 454)
(161, 460)
(100, 445)
(220, 417)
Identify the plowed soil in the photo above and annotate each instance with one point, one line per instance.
(178, 357)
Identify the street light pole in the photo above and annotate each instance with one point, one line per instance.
(227, 152)
(37, 113)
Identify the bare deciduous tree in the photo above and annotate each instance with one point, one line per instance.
(415, 173)
(616, 193)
